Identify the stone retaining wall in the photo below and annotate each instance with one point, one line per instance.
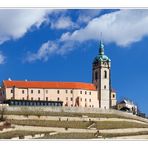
(74, 110)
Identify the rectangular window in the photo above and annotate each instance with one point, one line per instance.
(67, 98)
(11, 90)
(104, 86)
(89, 100)
(85, 99)
(23, 91)
(71, 91)
(31, 98)
(85, 92)
(81, 99)
(46, 98)
(66, 91)
(80, 92)
(90, 92)
(58, 91)
(58, 98)
(39, 98)
(32, 91)
(113, 96)
(23, 98)
(39, 91)
(71, 99)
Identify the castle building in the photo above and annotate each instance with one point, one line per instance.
(98, 94)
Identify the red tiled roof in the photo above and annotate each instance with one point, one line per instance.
(49, 85)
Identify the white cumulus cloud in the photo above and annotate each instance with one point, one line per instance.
(122, 27)
(14, 23)
(62, 23)
(50, 48)
(85, 15)
(43, 53)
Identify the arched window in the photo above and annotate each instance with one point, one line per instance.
(105, 74)
(96, 75)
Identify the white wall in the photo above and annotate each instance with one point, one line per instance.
(88, 98)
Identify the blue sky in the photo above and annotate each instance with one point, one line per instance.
(60, 45)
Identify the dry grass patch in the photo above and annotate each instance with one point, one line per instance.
(52, 123)
(111, 135)
(70, 136)
(80, 124)
(20, 134)
(119, 125)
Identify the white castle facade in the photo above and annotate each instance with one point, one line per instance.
(98, 94)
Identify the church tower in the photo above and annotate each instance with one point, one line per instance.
(101, 77)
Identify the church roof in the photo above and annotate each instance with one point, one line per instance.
(101, 56)
(127, 101)
(49, 85)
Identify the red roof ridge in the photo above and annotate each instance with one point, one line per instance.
(49, 84)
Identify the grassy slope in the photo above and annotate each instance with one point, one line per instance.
(90, 135)
(26, 112)
(73, 124)
(80, 124)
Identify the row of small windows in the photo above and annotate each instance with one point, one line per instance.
(71, 99)
(58, 92)
(58, 99)
(66, 91)
(36, 103)
(85, 105)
